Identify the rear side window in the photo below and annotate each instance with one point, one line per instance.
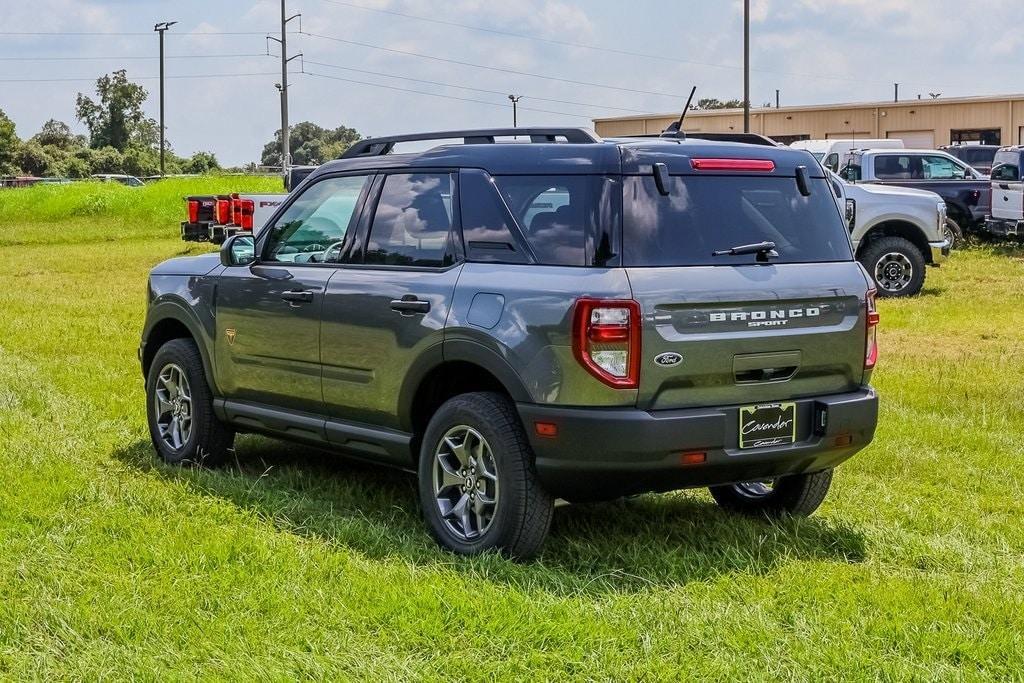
(488, 229)
(1006, 166)
(413, 221)
(703, 214)
(567, 220)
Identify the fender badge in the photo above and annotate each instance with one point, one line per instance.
(230, 332)
(668, 359)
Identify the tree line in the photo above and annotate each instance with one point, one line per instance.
(121, 139)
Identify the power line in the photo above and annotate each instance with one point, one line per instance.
(492, 68)
(447, 97)
(78, 58)
(130, 33)
(466, 87)
(597, 48)
(136, 78)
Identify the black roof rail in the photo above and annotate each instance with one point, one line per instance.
(384, 145)
(746, 138)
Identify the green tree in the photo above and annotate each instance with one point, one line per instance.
(33, 159)
(58, 134)
(105, 160)
(9, 145)
(713, 103)
(116, 118)
(201, 162)
(310, 144)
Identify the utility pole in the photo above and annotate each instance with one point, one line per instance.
(746, 66)
(283, 85)
(895, 92)
(160, 28)
(515, 105)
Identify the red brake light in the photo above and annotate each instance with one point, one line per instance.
(246, 207)
(764, 165)
(222, 211)
(606, 340)
(871, 332)
(193, 211)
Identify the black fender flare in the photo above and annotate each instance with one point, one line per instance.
(169, 309)
(457, 350)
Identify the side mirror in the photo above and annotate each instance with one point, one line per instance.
(851, 213)
(238, 250)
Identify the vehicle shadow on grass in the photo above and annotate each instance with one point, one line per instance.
(621, 546)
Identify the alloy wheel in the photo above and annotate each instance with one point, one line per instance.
(894, 271)
(173, 406)
(465, 480)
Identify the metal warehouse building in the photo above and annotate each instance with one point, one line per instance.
(919, 123)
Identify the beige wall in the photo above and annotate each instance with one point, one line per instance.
(872, 120)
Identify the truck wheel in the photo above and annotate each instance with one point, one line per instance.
(179, 407)
(477, 484)
(896, 266)
(798, 494)
(952, 233)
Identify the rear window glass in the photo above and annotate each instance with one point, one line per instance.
(713, 213)
(1006, 166)
(567, 220)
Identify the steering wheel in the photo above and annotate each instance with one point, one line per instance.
(316, 246)
(326, 255)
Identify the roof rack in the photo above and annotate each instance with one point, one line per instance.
(746, 138)
(384, 145)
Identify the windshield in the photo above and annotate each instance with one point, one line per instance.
(818, 155)
(701, 215)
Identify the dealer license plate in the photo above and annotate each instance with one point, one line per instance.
(768, 424)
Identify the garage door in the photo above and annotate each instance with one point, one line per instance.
(914, 139)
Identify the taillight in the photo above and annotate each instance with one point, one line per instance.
(193, 211)
(764, 165)
(246, 207)
(606, 340)
(222, 211)
(871, 341)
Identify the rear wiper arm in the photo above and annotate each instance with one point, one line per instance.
(764, 250)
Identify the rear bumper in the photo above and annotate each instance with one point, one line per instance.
(939, 252)
(1003, 227)
(206, 231)
(610, 452)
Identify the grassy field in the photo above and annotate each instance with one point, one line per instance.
(293, 563)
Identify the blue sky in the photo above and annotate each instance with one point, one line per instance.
(814, 51)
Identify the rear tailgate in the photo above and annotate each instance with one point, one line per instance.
(721, 335)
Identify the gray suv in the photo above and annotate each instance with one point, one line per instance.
(523, 320)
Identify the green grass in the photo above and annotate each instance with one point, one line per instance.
(294, 563)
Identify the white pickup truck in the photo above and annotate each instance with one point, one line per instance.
(896, 232)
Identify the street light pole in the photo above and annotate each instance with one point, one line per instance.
(515, 109)
(283, 85)
(746, 66)
(160, 28)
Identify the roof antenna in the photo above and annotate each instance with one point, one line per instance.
(675, 129)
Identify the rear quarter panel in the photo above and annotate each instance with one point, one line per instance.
(523, 314)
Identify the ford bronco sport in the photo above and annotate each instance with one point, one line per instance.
(519, 321)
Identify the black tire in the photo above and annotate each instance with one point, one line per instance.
(798, 494)
(953, 233)
(522, 511)
(209, 441)
(896, 265)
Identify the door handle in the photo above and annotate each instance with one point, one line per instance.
(298, 296)
(409, 304)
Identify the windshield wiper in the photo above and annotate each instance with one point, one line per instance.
(764, 250)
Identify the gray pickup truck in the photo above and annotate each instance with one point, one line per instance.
(517, 322)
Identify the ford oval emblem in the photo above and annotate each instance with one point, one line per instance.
(668, 359)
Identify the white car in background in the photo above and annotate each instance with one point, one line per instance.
(830, 152)
(897, 232)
